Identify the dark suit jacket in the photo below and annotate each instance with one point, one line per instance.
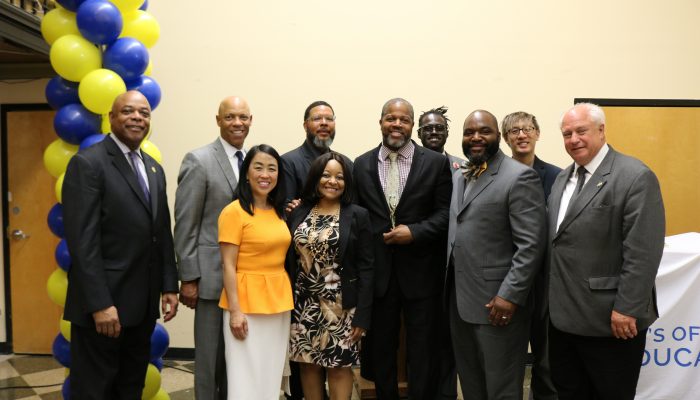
(120, 242)
(423, 207)
(355, 259)
(607, 250)
(296, 167)
(548, 173)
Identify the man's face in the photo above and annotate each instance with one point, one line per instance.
(130, 118)
(320, 127)
(520, 141)
(481, 137)
(583, 137)
(433, 132)
(234, 121)
(396, 125)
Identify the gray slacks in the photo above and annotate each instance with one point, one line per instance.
(209, 363)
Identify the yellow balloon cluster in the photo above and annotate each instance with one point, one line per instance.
(73, 56)
(141, 26)
(57, 155)
(99, 88)
(56, 286)
(58, 22)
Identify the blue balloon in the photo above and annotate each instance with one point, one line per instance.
(144, 6)
(62, 255)
(70, 5)
(92, 139)
(61, 350)
(60, 92)
(148, 87)
(127, 57)
(73, 123)
(158, 363)
(160, 340)
(65, 390)
(99, 21)
(55, 220)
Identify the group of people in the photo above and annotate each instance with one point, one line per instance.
(303, 265)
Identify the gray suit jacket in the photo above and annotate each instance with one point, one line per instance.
(607, 250)
(496, 237)
(206, 184)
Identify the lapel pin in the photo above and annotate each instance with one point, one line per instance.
(154, 171)
(599, 184)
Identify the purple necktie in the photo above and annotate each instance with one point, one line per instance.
(142, 181)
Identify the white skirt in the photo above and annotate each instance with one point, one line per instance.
(255, 365)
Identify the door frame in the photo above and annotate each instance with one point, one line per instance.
(6, 347)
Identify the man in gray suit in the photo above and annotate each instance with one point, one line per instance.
(495, 247)
(606, 237)
(206, 184)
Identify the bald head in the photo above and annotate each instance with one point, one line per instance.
(482, 115)
(397, 101)
(130, 118)
(234, 120)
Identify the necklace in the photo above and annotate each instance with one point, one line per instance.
(314, 233)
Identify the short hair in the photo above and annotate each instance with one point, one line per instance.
(510, 120)
(310, 193)
(385, 108)
(244, 193)
(441, 111)
(316, 104)
(595, 113)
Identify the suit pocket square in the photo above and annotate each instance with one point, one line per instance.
(604, 282)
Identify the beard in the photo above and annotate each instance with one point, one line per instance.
(478, 159)
(321, 144)
(394, 144)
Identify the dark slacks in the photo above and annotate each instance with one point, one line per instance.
(104, 368)
(595, 368)
(209, 362)
(419, 317)
(541, 385)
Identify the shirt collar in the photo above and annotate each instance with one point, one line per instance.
(406, 151)
(230, 149)
(124, 148)
(597, 160)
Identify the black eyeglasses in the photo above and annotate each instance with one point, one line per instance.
(527, 130)
(433, 128)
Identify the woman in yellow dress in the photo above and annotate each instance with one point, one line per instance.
(257, 292)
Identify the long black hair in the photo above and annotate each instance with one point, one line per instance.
(244, 194)
(310, 193)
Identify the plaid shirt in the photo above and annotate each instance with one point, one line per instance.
(404, 159)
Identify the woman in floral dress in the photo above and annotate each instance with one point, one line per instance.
(331, 264)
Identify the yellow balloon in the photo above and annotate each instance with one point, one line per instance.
(127, 5)
(106, 125)
(57, 155)
(59, 188)
(152, 382)
(56, 286)
(64, 327)
(149, 148)
(149, 68)
(58, 22)
(66, 372)
(99, 88)
(161, 395)
(72, 57)
(141, 26)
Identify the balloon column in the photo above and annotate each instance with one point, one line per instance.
(99, 49)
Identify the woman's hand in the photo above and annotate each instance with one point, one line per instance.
(238, 324)
(356, 334)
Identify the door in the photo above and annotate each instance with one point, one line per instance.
(30, 195)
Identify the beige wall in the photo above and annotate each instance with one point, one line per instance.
(502, 56)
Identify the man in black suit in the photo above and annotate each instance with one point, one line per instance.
(521, 132)
(118, 232)
(433, 130)
(406, 189)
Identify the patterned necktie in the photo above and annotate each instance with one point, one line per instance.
(239, 156)
(392, 185)
(142, 181)
(472, 171)
(580, 179)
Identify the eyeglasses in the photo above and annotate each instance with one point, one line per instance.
(433, 128)
(527, 130)
(319, 118)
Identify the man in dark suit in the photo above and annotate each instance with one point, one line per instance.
(606, 238)
(118, 233)
(206, 184)
(521, 132)
(433, 130)
(495, 248)
(406, 190)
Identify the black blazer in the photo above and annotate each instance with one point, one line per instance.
(355, 255)
(548, 173)
(423, 207)
(120, 242)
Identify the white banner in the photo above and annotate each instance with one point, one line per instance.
(671, 363)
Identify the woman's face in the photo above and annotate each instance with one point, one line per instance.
(262, 174)
(332, 183)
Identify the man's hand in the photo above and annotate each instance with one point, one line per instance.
(292, 205)
(107, 322)
(168, 306)
(623, 326)
(356, 334)
(399, 235)
(502, 311)
(189, 293)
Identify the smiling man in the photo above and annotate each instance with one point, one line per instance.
(207, 181)
(433, 130)
(406, 189)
